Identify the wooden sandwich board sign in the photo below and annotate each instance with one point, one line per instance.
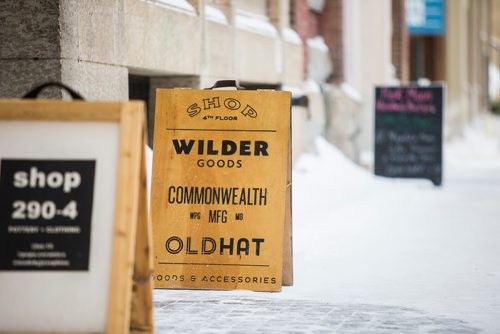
(74, 224)
(409, 132)
(219, 189)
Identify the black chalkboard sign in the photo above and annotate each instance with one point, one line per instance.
(408, 132)
(45, 214)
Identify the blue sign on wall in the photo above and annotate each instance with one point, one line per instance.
(426, 17)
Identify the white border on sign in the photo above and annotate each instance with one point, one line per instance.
(57, 300)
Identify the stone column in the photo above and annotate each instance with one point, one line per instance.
(400, 41)
(29, 46)
(93, 48)
(456, 66)
(79, 43)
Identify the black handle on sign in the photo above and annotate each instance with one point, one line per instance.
(226, 83)
(32, 94)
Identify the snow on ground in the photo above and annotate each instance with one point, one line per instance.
(363, 239)
(371, 242)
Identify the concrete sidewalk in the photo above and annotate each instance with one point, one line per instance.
(229, 312)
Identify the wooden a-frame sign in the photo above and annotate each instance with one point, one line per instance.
(128, 307)
(221, 191)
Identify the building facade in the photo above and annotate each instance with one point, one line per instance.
(333, 52)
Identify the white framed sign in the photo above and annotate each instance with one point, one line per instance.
(73, 217)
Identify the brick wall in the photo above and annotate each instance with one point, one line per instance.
(331, 26)
(307, 25)
(400, 41)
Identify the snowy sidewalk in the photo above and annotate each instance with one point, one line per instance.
(373, 255)
(230, 312)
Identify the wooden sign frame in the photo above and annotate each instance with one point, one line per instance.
(176, 127)
(287, 272)
(130, 305)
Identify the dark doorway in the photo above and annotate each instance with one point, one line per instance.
(427, 58)
(138, 89)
